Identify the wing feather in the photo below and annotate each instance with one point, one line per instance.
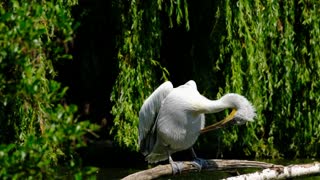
(148, 114)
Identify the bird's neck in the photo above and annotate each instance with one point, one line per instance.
(214, 106)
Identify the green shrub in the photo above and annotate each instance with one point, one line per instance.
(37, 131)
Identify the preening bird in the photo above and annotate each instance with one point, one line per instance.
(171, 119)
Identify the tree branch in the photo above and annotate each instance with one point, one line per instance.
(213, 165)
(290, 171)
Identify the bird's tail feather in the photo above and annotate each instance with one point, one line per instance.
(156, 157)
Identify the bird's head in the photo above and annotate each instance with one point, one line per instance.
(244, 113)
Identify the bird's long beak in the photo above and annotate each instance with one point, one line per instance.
(219, 124)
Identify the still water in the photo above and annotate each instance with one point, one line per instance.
(118, 173)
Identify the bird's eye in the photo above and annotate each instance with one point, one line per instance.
(239, 121)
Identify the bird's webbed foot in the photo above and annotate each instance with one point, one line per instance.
(200, 163)
(176, 166)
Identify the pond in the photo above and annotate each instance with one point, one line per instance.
(118, 173)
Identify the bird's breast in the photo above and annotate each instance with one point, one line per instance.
(178, 126)
(179, 131)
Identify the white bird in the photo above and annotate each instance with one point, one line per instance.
(171, 119)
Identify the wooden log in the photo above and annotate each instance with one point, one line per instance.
(290, 171)
(187, 166)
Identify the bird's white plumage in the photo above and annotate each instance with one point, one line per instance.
(170, 119)
(178, 126)
(245, 110)
(149, 112)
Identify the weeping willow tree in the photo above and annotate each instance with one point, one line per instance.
(139, 51)
(266, 50)
(273, 48)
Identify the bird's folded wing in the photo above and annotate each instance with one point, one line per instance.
(149, 111)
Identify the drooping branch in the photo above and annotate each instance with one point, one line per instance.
(213, 165)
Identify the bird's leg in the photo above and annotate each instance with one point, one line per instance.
(194, 155)
(176, 166)
(199, 163)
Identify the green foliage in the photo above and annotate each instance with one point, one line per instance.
(28, 37)
(38, 156)
(36, 132)
(273, 48)
(139, 51)
(267, 51)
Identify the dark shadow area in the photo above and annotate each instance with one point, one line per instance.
(93, 70)
(104, 154)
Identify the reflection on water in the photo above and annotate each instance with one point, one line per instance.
(118, 173)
